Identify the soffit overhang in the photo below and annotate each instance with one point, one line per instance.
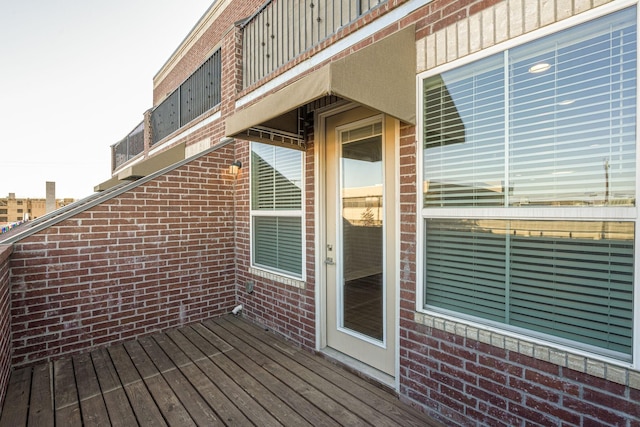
(154, 163)
(145, 167)
(105, 185)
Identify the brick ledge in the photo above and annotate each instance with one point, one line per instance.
(610, 372)
(278, 278)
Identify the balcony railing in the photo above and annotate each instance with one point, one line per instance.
(128, 148)
(198, 94)
(283, 29)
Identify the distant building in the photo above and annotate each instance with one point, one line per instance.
(14, 209)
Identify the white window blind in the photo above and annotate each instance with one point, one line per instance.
(276, 178)
(277, 243)
(464, 136)
(572, 127)
(566, 134)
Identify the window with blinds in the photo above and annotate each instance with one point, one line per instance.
(276, 209)
(546, 129)
(569, 279)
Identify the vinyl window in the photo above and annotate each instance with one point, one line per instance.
(276, 209)
(529, 187)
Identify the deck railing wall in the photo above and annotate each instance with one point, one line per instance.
(128, 148)
(200, 92)
(283, 29)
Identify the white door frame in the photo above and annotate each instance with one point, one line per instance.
(320, 231)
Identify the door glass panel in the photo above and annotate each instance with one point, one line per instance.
(362, 284)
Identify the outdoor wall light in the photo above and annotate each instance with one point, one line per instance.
(235, 167)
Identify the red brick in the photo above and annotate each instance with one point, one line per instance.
(536, 364)
(500, 365)
(619, 402)
(594, 412)
(500, 390)
(447, 401)
(505, 416)
(534, 389)
(530, 414)
(594, 382)
(553, 409)
(480, 371)
(484, 396)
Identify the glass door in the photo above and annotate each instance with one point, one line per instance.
(361, 242)
(361, 284)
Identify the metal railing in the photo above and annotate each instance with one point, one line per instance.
(200, 92)
(128, 148)
(283, 29)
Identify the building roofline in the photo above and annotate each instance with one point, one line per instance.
(205, 21)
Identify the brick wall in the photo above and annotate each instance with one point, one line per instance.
(5, 321)
(284, 305)
(470, 377)
(472, 382)
(455, 374)
(460, 374)
(155, 257)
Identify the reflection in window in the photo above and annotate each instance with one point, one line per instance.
(565, 134)
(547, 123)
(362, 227)
(569, 279)
(464, 136)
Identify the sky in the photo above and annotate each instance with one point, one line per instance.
(76, 76)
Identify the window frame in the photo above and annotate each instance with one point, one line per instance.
(275, 213)
(565, 213)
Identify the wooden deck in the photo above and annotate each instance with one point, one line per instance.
(221, 372)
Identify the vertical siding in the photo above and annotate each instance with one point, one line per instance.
(285, 29)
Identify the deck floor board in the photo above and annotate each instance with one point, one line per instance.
(235, 393)
(115, 397)
(16, 407)
(219, 372)
(41, 408)
(374, 405)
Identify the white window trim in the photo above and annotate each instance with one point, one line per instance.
(280, 276)
(565, 213)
